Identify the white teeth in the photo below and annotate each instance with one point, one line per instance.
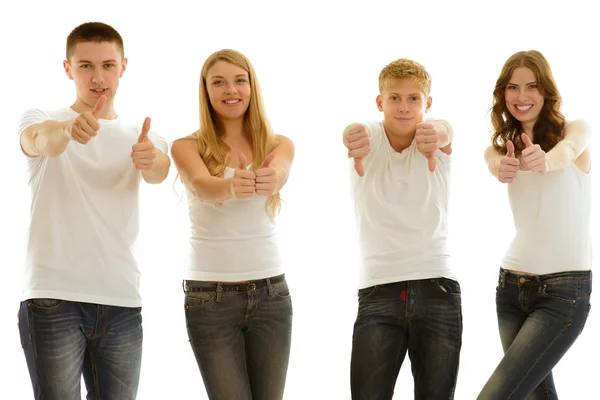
(231, 101)
(98, 90)
(523, 108)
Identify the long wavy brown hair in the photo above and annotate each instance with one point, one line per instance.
(548, 130)
(212, 148)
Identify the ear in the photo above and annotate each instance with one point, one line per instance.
(123, 67)
(428, 104)
(67, 68)
(379, 102)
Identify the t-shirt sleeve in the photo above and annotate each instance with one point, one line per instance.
(159, 141)
(31, 117)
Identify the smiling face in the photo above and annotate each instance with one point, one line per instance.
(228, 88)
(404, 105)
(523, 98)
(96, 68)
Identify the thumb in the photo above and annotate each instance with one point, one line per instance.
(99, 106)
(526, 140)
(268, 161)
(145, 130)
(431, 160)
(359, 166)
(242, 160)
(510, 147)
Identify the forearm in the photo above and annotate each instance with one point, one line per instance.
(576, 141)
(492, 158)
(282, 177)
(160, 172)
(48, 139)
(445, 135)
(211, 189)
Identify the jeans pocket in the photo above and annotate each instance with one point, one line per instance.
(365, 293)
(44, 304)
(448, 286)
(562, 292)
(197, 300)
(281, 290)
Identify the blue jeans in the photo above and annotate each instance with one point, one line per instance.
(423, 317)
(63, 340)
(539, 318)
(241, 336)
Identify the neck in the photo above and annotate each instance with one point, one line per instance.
(398, 140)
(107, 112)
(527, 128)
(234, 129)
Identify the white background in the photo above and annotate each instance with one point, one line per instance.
(318, 64)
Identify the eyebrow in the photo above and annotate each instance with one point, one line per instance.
(222, 77)
(410, 94)
(530, 83)
(90, 62)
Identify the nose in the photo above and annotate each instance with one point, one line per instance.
(230, 88)
(403, 107)
(522, 95)
(97, 77)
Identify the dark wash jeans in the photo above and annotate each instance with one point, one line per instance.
(64, 339)
(423, 317)
(539, 318)
(241, 336)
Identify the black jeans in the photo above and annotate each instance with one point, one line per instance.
(423, 317)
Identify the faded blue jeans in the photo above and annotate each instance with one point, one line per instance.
(241, 336)
(421, 317)
(539, 318)
(64, 339)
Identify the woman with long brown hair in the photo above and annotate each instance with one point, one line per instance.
(237, 304)
(545, 280)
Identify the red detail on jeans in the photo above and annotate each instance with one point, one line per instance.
(403, 295)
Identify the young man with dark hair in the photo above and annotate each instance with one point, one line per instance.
(81, 306)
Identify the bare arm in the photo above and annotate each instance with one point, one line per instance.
(493, 159)
(49, 138)
(194, 174)
(160, 172)
(575, 143)
(282, 163)
(445, 136)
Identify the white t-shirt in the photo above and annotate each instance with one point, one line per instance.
(401, 213)
(84, 216)
(551, 214)
(235, 242)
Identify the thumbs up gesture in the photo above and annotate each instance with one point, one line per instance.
(427, 138)
(533, 157)
(266, 177)
(509, 165)
(358, 143)
(243, 181)
(143, 153)
(86, 125)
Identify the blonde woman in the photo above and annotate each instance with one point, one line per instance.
(238, 307)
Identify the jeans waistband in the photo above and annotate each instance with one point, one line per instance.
(507, 276)
(203, 286)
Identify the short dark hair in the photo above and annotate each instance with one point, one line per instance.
(94, 32)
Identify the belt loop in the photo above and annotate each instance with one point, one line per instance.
(270, 289)
(503, 279)
(219, 292)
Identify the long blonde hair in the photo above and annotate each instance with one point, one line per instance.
(257, 130)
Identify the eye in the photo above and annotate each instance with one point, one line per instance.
(395, 98)
(85, 66)
(511, 87)
(217, 82)
(108, 65)
(242, 80)
(414, 98)
(533, 86)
